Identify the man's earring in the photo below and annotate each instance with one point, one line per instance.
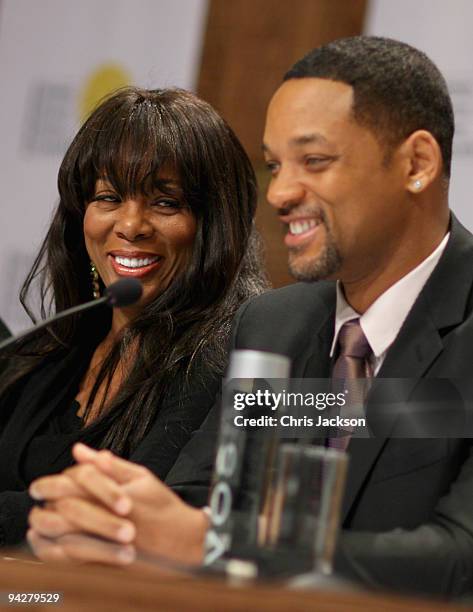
(417, 184)
(95, 281)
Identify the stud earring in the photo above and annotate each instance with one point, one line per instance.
(95, 281)
(417, 184)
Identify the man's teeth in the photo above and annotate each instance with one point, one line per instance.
(135, 262)
(299, 227)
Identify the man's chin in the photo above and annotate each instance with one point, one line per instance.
(312, 269)
(304, 275)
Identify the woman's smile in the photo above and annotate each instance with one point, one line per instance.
(135, 263)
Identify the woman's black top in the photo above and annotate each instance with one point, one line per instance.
(39, 424)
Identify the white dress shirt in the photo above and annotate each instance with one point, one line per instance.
(384, 318)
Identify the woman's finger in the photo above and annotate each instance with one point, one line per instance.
(45, 549)
(54, 487)
(100, 487)
(89, 517)
(49, 523)
(81, 547)
(121, 470)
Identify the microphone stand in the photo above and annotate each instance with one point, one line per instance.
(57, 317)
(121, 293)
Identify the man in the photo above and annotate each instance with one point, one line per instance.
(358, 142)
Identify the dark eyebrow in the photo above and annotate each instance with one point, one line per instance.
(309, 139)
(164, 182)
(168, 186)
(300, 141)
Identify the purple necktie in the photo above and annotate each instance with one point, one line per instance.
(352, 364)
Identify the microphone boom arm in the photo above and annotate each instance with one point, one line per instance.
(57, 317)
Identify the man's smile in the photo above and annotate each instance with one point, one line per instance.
(301, 230)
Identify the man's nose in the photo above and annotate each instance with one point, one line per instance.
(133, 221)
(285, 190)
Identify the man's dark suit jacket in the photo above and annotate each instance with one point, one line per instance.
(408, 509)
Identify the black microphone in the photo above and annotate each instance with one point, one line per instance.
(123, 292)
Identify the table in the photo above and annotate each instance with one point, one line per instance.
(145, 587)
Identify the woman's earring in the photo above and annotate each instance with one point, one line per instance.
(95, 281)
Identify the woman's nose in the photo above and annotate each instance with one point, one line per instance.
(133, 222)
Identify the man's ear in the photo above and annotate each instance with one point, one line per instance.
(424, 162)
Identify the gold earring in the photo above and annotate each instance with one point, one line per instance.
(95, 281)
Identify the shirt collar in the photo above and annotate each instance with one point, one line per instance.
(392, 306)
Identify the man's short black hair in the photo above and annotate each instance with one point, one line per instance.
(397, 88)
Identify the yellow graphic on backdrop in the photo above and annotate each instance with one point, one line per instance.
(103, 80)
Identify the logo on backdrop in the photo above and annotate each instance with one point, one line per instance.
(103, 80)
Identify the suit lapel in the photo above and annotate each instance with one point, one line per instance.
(314, 360)
(417, 346)
(409, 358)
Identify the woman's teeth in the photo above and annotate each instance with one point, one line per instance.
(299, 227)
(135, 262)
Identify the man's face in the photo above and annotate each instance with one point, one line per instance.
(344, 206)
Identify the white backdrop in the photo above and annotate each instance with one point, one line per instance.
(56, 58)
(443, 30)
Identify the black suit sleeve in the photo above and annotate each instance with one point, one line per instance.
(167, 445)
(191, 475)
(179, 447)
(435, 557)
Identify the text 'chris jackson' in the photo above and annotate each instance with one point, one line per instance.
(263, 401)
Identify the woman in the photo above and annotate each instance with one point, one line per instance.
(156, 186)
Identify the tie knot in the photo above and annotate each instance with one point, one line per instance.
(352, 340)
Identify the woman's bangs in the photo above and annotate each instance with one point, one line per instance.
(129, 151)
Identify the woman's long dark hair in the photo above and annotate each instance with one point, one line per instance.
(128, 139)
